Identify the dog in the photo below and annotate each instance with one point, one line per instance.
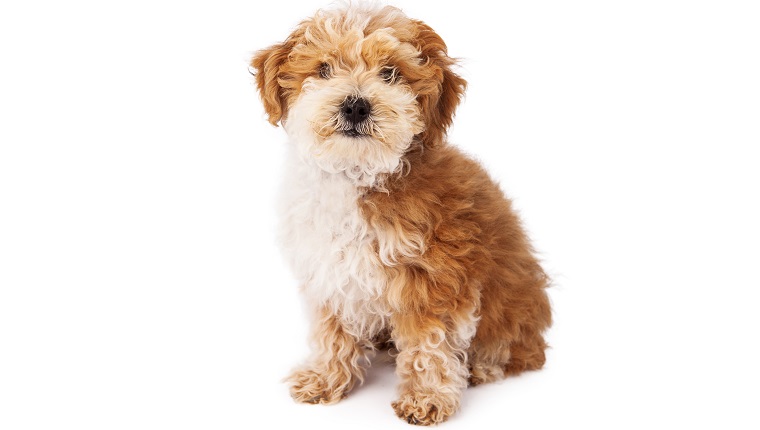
(396, 237)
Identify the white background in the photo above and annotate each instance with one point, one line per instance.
(140, 282)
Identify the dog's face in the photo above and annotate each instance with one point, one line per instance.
(357, 88)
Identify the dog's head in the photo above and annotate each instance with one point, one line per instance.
(356, 88)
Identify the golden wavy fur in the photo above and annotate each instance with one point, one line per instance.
(396, 235)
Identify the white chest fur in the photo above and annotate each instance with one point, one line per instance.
(330, 247)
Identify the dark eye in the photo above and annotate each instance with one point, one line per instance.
(325, 71)
(390, 74)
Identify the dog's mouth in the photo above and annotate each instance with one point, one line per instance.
(352, 132)
(346, 130)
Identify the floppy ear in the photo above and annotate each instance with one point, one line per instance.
(452, 91)
(266, 64)
(439, 107)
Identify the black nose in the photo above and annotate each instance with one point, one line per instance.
(355, 110)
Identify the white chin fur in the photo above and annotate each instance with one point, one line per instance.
(361, 159)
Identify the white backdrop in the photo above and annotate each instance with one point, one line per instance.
(141, 285)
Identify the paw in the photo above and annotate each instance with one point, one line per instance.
(425, 409)
(309, 386)
(480, 374)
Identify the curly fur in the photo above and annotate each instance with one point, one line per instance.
(394, 234)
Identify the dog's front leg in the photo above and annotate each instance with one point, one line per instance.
(336, 364)
(431, 364)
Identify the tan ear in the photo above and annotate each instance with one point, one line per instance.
(266, 64)
(452, 91)
(440, 108)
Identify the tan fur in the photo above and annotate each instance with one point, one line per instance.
(477, 255)
(464, 292)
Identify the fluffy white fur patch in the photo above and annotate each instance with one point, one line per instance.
(330, 246)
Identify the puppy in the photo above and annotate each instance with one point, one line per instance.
(396, 237)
